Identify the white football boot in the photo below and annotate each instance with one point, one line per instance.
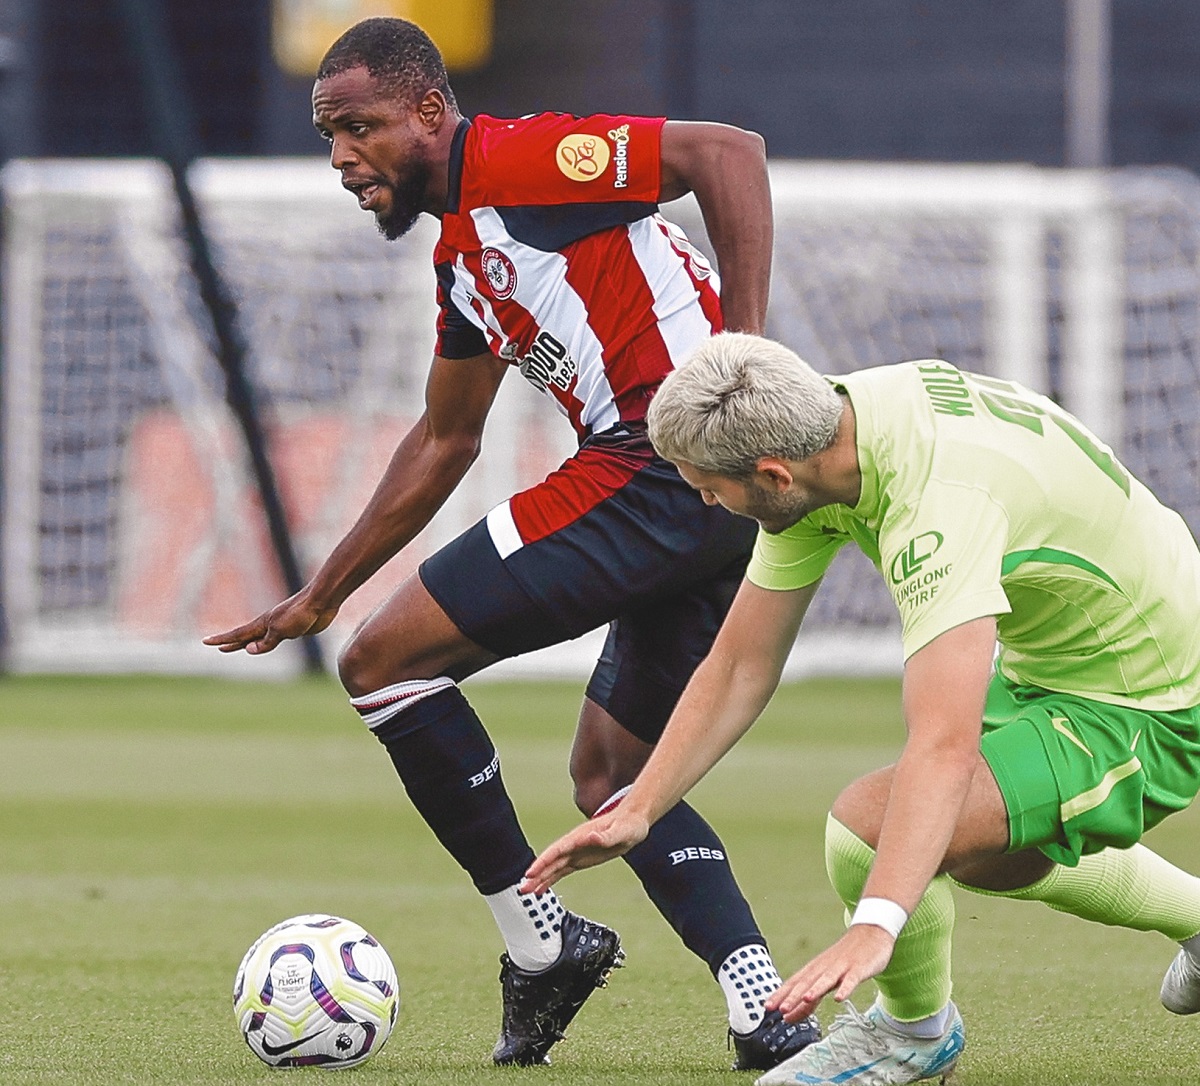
(1180, 992)
(863, 1050)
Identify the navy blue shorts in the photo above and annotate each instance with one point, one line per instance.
(614, 537)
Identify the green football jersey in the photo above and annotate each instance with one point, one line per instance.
(980, 498)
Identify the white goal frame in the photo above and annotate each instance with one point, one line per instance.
(1019, 211)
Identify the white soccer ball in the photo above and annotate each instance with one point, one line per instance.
(315, 990)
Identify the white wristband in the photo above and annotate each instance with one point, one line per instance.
(882, 913)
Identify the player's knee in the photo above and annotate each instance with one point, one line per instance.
(593, 787)
(588, 794)
(860, 805)
(362, 668)
(351, 664)
(848, 812)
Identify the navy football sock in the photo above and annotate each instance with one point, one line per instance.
(451, 772)
(682, 865)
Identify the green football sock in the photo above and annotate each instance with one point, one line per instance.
(916, 982)
(1127, 888)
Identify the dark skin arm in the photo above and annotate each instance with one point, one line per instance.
(726, 168)
(427, 465)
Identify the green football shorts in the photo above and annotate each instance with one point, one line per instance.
(1079, 775)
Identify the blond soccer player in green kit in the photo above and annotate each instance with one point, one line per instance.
(994, 517)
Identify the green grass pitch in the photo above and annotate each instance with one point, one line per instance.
(152, 828)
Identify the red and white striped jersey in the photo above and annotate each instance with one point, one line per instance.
(553, 256)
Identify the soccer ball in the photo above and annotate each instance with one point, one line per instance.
(315, 990)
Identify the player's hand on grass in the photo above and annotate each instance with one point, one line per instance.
(862, 953)
(595, 842)
(297, 616)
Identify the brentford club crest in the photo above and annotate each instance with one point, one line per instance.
(499, 272)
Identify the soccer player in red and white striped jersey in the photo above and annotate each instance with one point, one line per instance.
(552, 257)
(553, 260)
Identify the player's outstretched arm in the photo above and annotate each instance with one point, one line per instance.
(602, 839)
(297, 616)
(726, 694)
(945, 685)
(726, 167)
(428, 464)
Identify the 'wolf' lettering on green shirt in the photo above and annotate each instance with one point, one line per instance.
(947, 389)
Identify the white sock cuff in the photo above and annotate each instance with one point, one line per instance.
(925, 1029)
(613, 801)
(381, 705)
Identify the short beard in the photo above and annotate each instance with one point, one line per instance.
(775, 512)
(408, 197)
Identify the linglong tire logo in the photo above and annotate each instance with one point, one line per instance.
(919, 550)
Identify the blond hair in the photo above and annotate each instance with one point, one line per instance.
(738, 398)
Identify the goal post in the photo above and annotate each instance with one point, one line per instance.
(130, 523)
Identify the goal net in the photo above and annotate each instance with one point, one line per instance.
(131, 526)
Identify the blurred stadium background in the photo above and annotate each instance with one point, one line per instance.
(1010, 186)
